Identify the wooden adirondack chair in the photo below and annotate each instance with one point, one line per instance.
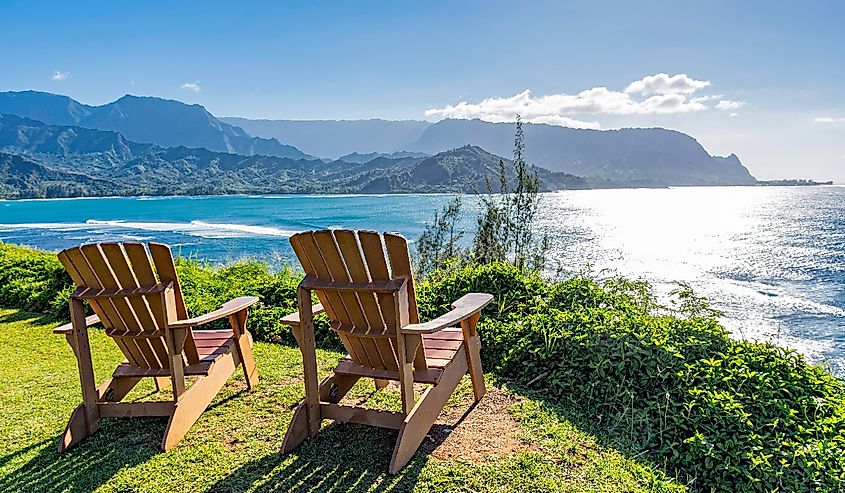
(141, 307)
(368, 296)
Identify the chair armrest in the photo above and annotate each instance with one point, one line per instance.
(229, 308)
(68, 328)
(293, 318)
(462, 309)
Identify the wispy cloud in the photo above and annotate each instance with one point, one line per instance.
(653, 94)
(59, 75)
(726, 105)
(192, 86)
(828, 119)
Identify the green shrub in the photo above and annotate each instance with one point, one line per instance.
(719, 414)
(33, 280)
(516, 292)
(205, 288)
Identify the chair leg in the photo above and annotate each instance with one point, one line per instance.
(332, 389)
(425, 412)
(85, 419)
(244, 348)
(77, 429)
(472, 344)
(297, 429)
(191, 404)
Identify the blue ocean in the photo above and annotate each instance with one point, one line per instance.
(771, 258)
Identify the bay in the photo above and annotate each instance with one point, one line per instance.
(771, 258)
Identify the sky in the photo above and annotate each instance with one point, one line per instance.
(761, 79)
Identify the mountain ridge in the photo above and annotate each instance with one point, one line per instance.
(357, 157)
(47, 161)
(146, 119)
(628, 154)
(335, 138)
(621, 155)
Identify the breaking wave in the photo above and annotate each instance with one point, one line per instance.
(194, 228)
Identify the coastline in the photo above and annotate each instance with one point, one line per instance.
(760, 183)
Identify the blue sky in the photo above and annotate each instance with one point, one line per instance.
(774, 71)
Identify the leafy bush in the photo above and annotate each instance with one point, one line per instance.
(667, 384)
(205, 288)
(515, 292)
(33, 280)
(505, 229)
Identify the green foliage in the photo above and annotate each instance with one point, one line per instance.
(667, 384)
(515, 292)
(438, 243)
(33, 280)
(505, 225)
(205, 288)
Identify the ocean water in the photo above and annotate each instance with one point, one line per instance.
(773, 259)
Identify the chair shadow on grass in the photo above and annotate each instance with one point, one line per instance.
(341, 457)
(119, 443)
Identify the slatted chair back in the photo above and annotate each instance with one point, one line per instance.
(135, 295)
(366, 321)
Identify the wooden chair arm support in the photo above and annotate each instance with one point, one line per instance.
(462, 309)
(389, 286)
(68, 328)
(229, 308)
(293, 318)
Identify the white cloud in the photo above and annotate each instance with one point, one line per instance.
(827, 119)
(659, 94)
(59, 75)
(727, 104)
(733, 114)
(564, 121)
(664, 84)
(192, 86)
(707, 97)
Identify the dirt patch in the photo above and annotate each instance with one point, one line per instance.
(483, 431)
(473, 431)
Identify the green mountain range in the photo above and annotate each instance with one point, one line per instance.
(44, 161)
(623, 157)
(165, 122)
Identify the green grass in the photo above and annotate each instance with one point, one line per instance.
(235, 444)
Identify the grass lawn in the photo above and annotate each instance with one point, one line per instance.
(235, 444)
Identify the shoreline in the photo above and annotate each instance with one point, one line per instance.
(762, 183)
